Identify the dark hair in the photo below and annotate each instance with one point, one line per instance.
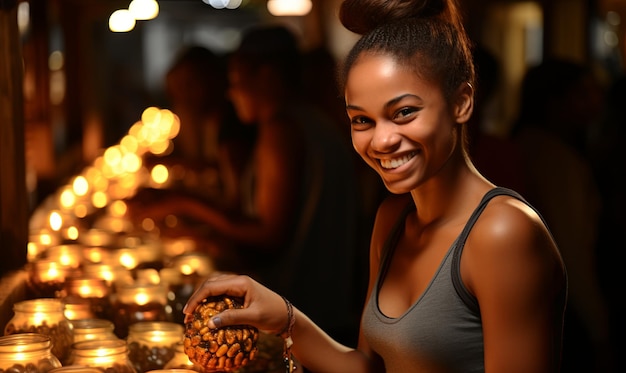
(550, 80)
(207, 65)
(425, 35)
(273, 45)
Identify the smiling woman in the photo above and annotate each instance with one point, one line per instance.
(464, 275)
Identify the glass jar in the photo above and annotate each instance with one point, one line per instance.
(90, 329)
(179, 289)
(136, 303)
(152, 344)
(76, 309)
(94, 291)
(46, 277)
(181, 360)
(75, 369)
(27, 352)
(110, 355)
(43, 316)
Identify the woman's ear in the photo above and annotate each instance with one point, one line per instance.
(464, 103)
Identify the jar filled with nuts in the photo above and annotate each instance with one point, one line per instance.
(43, 316)
(181, 360)
(90, 329)
(94, 291)
(152, 344)
(138, 302)
(109, 355)
(27, 352)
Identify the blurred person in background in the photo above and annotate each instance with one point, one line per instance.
(560, 100)
(296, 226)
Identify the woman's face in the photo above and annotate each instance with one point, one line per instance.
(402, 125)
(241, 94)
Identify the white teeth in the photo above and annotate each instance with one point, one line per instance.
(395, 163)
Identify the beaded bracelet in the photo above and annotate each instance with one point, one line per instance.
(286, 335)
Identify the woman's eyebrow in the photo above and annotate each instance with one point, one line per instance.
(389, 103)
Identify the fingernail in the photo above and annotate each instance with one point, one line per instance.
(185, 309)
(217, 322)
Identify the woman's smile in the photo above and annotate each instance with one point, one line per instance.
(394, 163)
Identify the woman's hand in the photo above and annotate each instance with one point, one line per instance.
(262, 307)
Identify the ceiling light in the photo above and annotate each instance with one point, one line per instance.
(144, 9)
(121, 21)
(289, 7)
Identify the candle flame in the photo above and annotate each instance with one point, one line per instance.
(141, 298)
(56, 221)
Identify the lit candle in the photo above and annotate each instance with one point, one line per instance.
(78, 311)
(67, 255)
(194, 263)
(96, 237)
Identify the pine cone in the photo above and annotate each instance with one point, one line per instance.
(223, 349)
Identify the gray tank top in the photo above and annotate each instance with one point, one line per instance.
(442, 330)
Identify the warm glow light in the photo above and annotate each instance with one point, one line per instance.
(72, 233)
(99, 199)
(118, 208)
(51, 274)
(39, 318)
(131, 162)
(289, 7)
(141, 298)
(67, 199)
(147, 224)
(56, 221)
(186, 269)
(151, 116)
(128, 260)
(129, 144)
(121, 20)
(80, 186)
(144, 9)
(80, 211)
(85, 291)
(159, 147)
(112, 156)
(159, 174)
(33, 251)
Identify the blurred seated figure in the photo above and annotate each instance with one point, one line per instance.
(212, 145)
(296, 227)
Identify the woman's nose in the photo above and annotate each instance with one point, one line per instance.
(386, 137)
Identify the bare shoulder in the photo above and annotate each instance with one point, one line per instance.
(510, 241)
(508, 220)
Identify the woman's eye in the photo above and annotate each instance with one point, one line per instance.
(405, 113)
(360, 121)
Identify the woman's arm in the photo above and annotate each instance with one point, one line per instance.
(267, 311)
(514, 269)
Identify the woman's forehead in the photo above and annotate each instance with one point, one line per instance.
(384, 70)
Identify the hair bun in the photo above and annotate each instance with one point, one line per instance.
(362, 16)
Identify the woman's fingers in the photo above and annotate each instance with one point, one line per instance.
(262, 307)
(233, 285)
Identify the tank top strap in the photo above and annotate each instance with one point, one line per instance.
(459, 244)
